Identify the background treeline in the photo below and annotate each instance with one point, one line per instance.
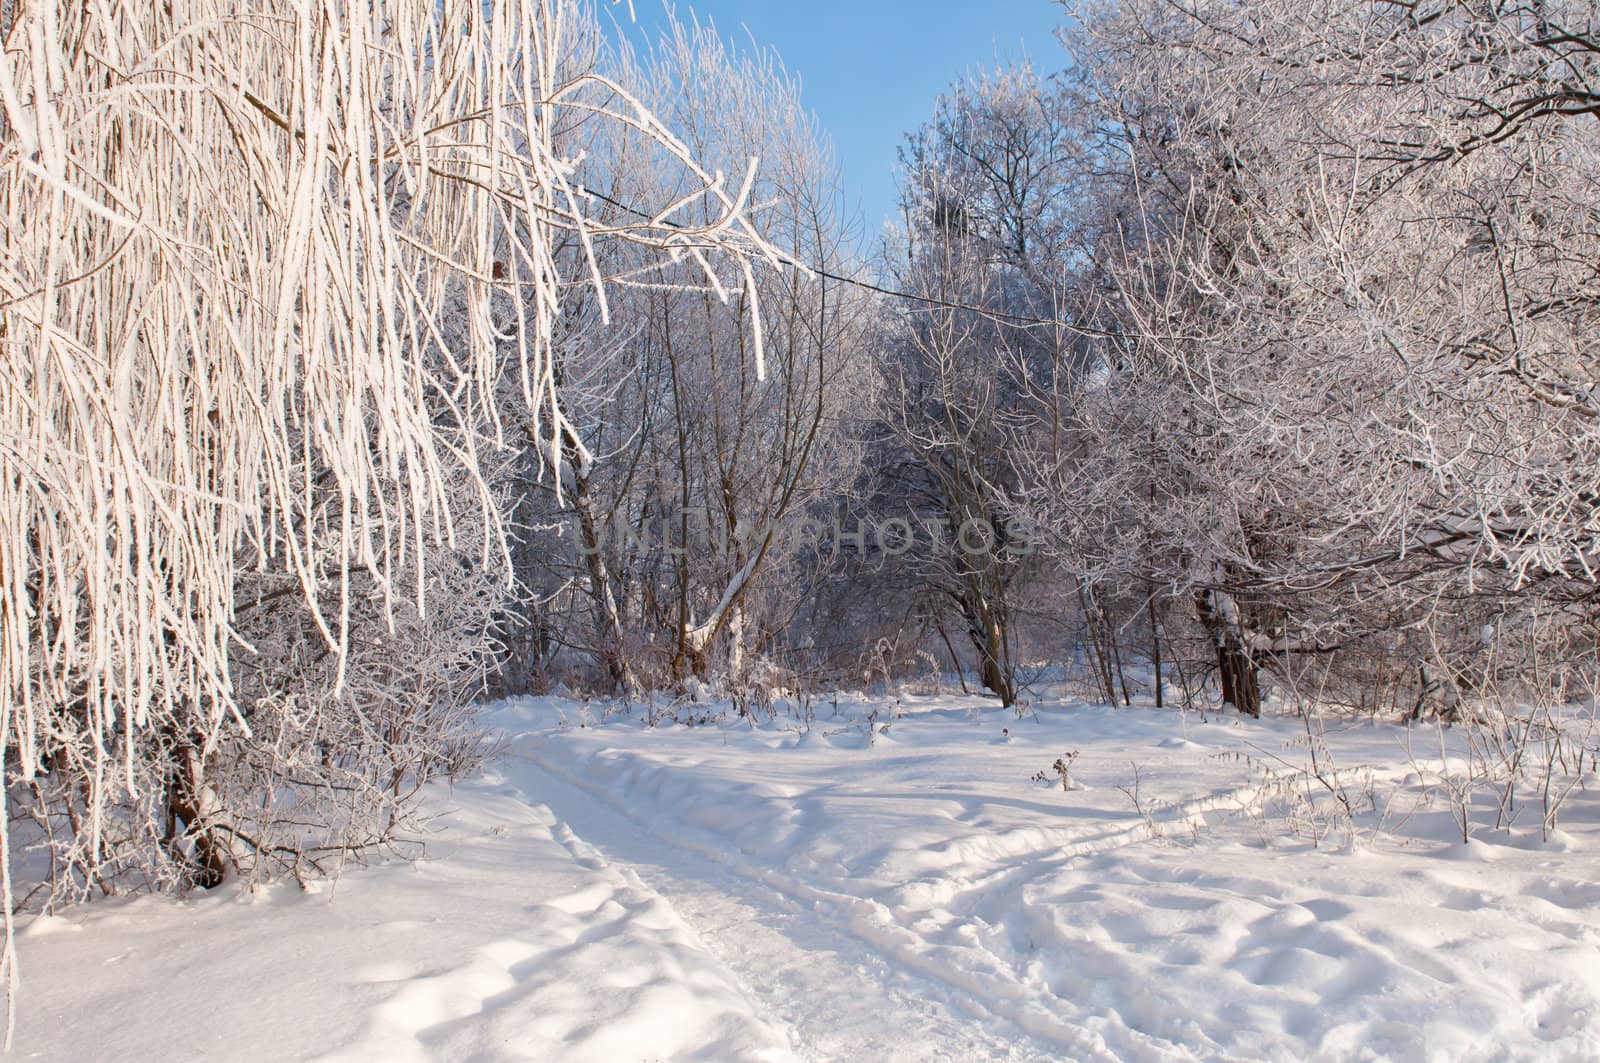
(1238, 349)
(1262, 342)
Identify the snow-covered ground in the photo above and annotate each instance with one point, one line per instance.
(884, 880)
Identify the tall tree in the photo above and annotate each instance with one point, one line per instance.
(251, 257)
(989, 225)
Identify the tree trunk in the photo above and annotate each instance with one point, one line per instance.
(190, 801)
(736, 640)
(1241, 684)
(955, 662)
(608, 619)
(988, 634)
(1236, 670)
(1092, 628)
(1155, 651)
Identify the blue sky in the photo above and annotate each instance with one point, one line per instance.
(871, 69)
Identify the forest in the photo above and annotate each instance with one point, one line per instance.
(365, 365)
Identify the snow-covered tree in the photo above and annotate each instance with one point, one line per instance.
(718, 423)
(248, 302)
(1350, 413)
(989, 227)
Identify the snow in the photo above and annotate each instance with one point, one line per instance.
(511, 940)
(885, 881)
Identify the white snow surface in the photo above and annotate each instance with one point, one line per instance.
(882, 879)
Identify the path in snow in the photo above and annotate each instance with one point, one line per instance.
(1211, 922)
(836, 997)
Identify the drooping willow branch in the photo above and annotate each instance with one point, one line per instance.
(233, 232)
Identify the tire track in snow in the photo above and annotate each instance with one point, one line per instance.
(992, 993)
(836, 994)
